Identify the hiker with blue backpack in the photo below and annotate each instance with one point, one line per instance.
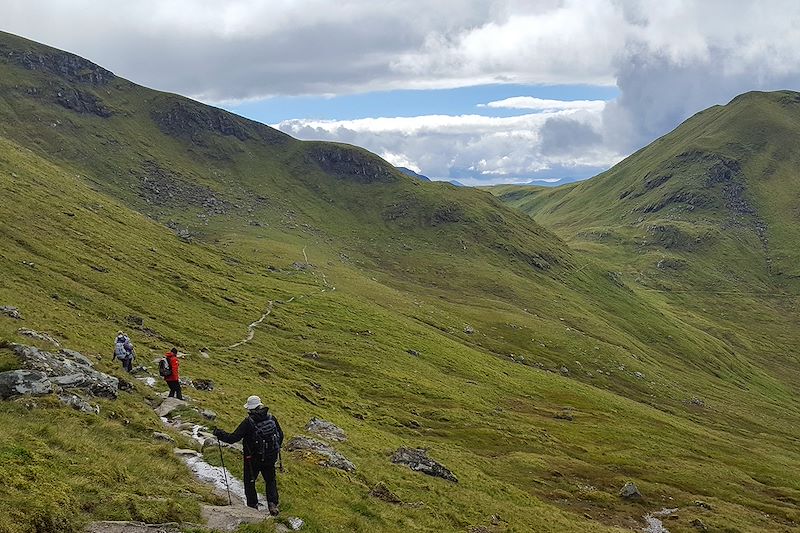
(123, 351)
(263, 438)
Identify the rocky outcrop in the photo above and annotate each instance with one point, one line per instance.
(24, 382)
(68, 369)
(326, 430)
(319, 452)
(67, 66)
(417, 459)
(188, 119)
(351, 164)
(82, 102)
(45, 372)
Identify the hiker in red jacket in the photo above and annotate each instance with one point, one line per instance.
(173, 379)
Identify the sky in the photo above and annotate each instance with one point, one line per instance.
(480, 91)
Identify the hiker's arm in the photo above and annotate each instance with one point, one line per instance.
(230, 438)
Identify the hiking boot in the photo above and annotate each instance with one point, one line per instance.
(273, 508)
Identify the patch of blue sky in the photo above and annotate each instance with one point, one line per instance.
(411, 103)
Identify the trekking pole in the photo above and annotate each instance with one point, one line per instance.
(224, 471)
(280, 461)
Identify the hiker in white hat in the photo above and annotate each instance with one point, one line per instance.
(263, 437)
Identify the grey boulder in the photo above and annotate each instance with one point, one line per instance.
(630, 491)
(417, 459)
(11, 312)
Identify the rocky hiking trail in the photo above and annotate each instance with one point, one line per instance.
(251, 329)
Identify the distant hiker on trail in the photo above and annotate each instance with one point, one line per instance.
(263, 438)
(123, 350)
(168, 369)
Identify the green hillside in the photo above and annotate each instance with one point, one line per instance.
(723, 186)
(408, 313)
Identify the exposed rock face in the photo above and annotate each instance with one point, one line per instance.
(65, 370)
(82, 102)
(325, 454)
(68, 370)
(326, 430)
(11, 312)
(62, 64)
(28, 382)
(352, 164)
(417, 459)
(189, 119)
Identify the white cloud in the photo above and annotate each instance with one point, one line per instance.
(669, 59)
(401, 160)
(541, 104)
(470, 148)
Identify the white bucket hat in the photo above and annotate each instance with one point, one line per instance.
(252, 403)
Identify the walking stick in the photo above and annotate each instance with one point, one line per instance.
(224, 472)
(280, 461)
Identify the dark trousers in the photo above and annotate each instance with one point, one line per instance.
(175, 389)
(253, 465)
(127, 364)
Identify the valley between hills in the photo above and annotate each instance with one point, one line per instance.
(546, 347)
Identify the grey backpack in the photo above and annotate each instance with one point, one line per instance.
(119, 351)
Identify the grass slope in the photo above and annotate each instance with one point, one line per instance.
(191, 219)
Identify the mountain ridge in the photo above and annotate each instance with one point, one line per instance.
(545, 373)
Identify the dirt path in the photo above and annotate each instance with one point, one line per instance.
(251, 329)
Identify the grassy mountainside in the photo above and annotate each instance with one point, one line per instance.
(122, 202)
(723, 185)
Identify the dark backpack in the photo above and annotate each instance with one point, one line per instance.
(266, 435)
(164, 369)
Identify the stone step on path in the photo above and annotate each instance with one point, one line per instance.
(111, 526)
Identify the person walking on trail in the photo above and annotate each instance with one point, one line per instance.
(263, 438)
(123, 350)
(168, 368)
